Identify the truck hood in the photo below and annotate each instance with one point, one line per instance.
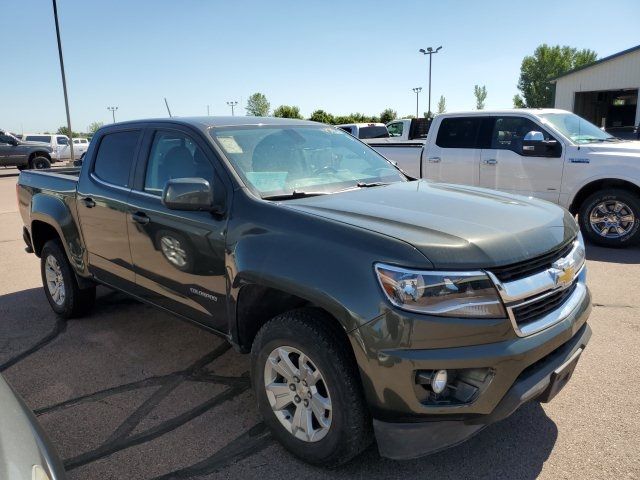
(453, 226)
(626, 149)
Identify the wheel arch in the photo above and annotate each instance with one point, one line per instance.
(597, 185)
(39, 153)
(258, 303)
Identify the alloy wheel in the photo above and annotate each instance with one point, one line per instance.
(298, 394)
(612, 219)
(55, 281)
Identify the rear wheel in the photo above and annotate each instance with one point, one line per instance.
(308, 388)
(40, 163)
(66, 298)
(611, 218)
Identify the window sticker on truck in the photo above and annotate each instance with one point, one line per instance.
(579, 160)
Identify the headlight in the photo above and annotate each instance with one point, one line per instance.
(449, 294)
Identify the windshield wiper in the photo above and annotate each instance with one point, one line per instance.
(294, 194)
(370, 184)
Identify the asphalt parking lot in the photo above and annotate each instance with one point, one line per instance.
(132, 393)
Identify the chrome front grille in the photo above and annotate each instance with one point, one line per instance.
(526, 313)
(519, 270)
(552, 289)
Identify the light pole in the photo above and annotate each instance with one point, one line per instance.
(430, 51)
(232, 104)
(64, 80)
(113, 112)
(417, 90)
(207, 110)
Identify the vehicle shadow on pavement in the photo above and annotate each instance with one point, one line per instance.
(129, 383)
(629, 255)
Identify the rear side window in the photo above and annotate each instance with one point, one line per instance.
(115, 156)
(38, 138)
(458, 132)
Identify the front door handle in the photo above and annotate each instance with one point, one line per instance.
(88, 202)
(140, 217)
(434, 160)
(490, 161)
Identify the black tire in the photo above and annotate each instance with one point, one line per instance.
(76, 301)
(39, 163)
(311, 331)
(631, 202)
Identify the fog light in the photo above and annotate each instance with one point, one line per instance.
(439, 381)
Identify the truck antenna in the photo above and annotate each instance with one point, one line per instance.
(167, 104)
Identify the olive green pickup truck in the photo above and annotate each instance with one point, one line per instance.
(373, 304)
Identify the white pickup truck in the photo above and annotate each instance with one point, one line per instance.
(546, 153)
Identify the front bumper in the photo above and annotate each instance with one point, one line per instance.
(410, 440)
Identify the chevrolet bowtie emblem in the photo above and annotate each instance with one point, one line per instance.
(563, 272)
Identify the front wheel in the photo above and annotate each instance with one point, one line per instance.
(66, 298)
(611, 218)
(308, 388)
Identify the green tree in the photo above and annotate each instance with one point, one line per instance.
(258, 105)
(388, 115)
(481, 96)
(546, 63)
(287, 111)
(442, 105)
(518, 102)
(428, 114)
(322, 117)
(94, 127)
(65, 131)
(409, 116)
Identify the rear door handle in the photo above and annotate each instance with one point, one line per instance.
(140, 217)
(490, 161)
(434, 159)
(88, 202)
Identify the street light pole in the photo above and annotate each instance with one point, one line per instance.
(430, 51)
(64, 79)
(113, 112)
(232, 104)
(207, 110)
(417, 90)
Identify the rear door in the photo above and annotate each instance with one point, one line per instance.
(103, 191)
(506, 166)
(178, 256)
(454, 156)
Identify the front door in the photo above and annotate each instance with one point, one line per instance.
(178, 256)
(506, 166)
(62, 148)
(103, 192)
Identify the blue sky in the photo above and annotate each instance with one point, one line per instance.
(356, 56)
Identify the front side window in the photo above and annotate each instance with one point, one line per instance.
(509, 132)
(576, 128)
(62, 140)
(115, 157)
(459, 132)
(395, 129)
(281, 160)
(174, 155)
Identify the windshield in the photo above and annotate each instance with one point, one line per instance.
(290, 160)
(576, 128)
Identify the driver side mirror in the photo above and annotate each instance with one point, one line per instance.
(188, 194)
(534, 145)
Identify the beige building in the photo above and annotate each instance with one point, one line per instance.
(605, 92)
